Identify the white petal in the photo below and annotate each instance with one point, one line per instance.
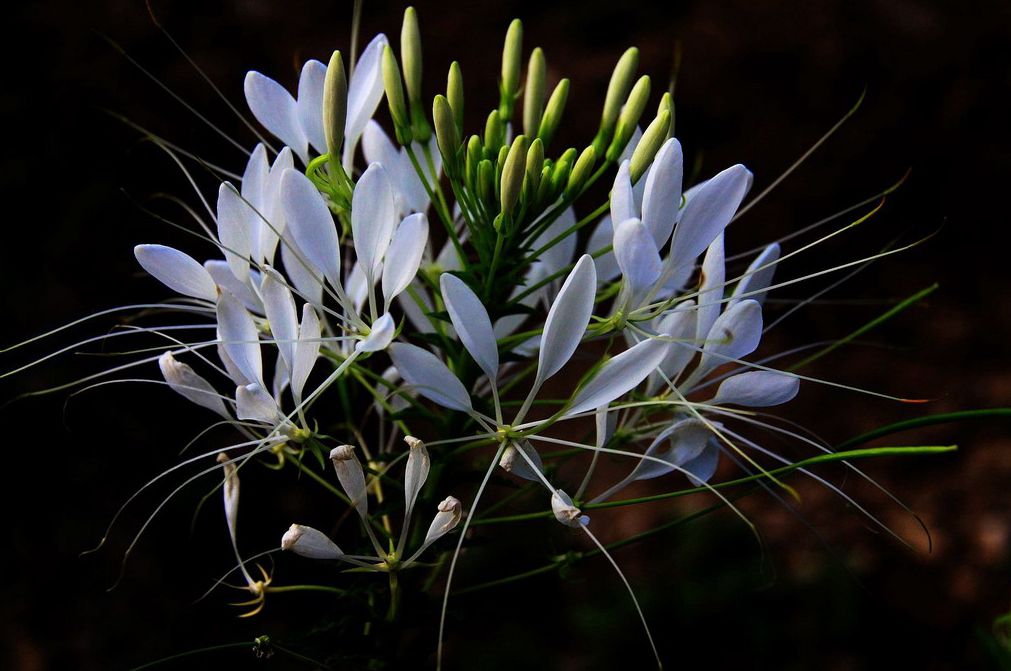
(183, 380)
(711, 288)
(622, 200)
(404, 255)
(379, 338)
(310, 103)
(418, 465)
(281, 378)
(234, 217)
(757, 389)
(254, 178)
(758, 275)
(601, 237)
(429, 376)
(306, 280)
(306, 351)
(254, 402)
(178, 271)
(357, 287)
(230, 492)
(472, 324)
(703, 467)
(565, 512)
(568, 318)
(680, 326)
(735, 335)
(448, 517)
(224, 278)
(707, 213)
(276, 111)
(311, 224)
(279, 306)
(309, 542)
(373, 217)
(273, 223)
(233, 371)
(560, 255)
(352, 478)
(513, 462)
(619, 375)
(365, 90)
(662, 196)
(636, 254)
(378, 148)
(239, 337)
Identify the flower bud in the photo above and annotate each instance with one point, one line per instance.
(418, 466)
(617, 92)
(667, 103)
(494, 133)
(454, 93)
(335, 106)
(535, 162)
(581, 172)
(629, 118)
(309, 542)
(395, 97)
(652, 139)
(410, 50)
(552, 116)
(475, 151)
(449, 515)
(533, 95)
(351, 477)
(446, 133)
(565, 512)
(513, 171)
(512, 53)
(486, 181)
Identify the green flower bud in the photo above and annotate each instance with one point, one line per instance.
(486, 181)
(512, 53)
(629, 118)
(560, 173)
(617, 92)
(581, 172)
(652, 138)
(446, 133)
(513, 171)
(544, 187)
(410, 49)
(475, 151)
(667, 103)
(335, 106)
(494, 133)
(535, 162)
(395, 97)
(533, 95)
(553, 112)
(454, 93)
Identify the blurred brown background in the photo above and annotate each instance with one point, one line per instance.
(759, 83)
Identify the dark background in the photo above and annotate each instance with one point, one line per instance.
(760, 82)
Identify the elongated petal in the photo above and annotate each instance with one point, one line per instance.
(183, 380)
(378, 148)
(234, 373)
(619, 375)
(224, 278)
(602, 237)
(514, 462)
(735, 335)
(254, 402)
(662, 196)
(352, 478)
(230, 493)
(622, 200)
(254, 177)
(703, 467)
(365, 90)
(234, 217)
(568, 318)
(176, 270)
(309, 542)
(310, 103)
(757, 389)
(711, 288)
(560, 254)
(306, 351)
(279, 306)
(758, 276)
(276, 111)
(636, 254)
(679, 325)
(272, 224)
(239, 337)
(373, 217)
(707, 213)
(308, 281)
(404, 255)
(429, 376)
(311, 224)
(383, 330)
(472, 324)
(418, 465)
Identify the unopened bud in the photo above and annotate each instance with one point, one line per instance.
(512, 55)
(581, 172)
(667, 103)
(652, 139)
(446, 133)
(454, 93)
(494, 132)
(535, 163)
(475, 151)
(553, 112)
(486, 181)
(335, 106)
(629, 118)
(395, 96)
(512, 174)
(410, 51)
(533, 95)
(351, 477)
(449, 515)
(309, 542)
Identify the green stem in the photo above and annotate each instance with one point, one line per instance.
(941, 418)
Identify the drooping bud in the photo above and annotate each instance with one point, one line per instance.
(533, 94)
(230, 491)
(512, 174)
(652, 139)
(628, 120)
(351, 477)
(553, 112)
(395, 96)
(183, 380)
(446, 133)
(335, 106)
(581, 172)
(309, 542)
(617, 92)
(565, 512)
(512, 55)
(454, 93)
